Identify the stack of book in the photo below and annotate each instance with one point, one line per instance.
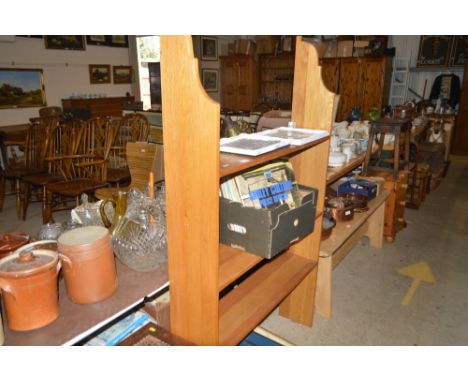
(265, 187)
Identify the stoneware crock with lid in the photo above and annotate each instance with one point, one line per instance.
(10, 241)
(28, 283)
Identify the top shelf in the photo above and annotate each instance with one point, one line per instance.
(337, 172)
(232, 163)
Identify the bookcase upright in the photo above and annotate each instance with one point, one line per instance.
(200, 268)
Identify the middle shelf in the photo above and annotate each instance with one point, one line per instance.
(249, 303)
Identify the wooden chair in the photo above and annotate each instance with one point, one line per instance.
(84, 171)
(35, 147)
(133, 128)
(142, 158)
(64, 143)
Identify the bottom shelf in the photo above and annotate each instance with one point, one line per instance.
(242, 309)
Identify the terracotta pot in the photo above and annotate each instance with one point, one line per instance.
(28, 281)
(88, 264)
(11, 241)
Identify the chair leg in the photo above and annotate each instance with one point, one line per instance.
(18, 197)
(2, 192)
(47, 207)
(26, 186)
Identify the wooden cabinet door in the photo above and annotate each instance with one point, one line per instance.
(331, 73)
(245, 85)
(373, 70)
(349, 87)
(229, 83)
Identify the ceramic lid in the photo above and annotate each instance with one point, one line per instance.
(83, 235)
(21, 264)
(12, 240)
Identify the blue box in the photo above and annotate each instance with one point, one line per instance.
(361, 187)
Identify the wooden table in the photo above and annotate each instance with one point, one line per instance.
(345, 236)
(77, 322)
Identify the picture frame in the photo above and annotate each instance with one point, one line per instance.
(119, 41)
(459, 53)
(21, 88)
(122, 74)
(99, 74)
(97, 40)
(67, 42)
(434, 51)
(209, 48)
(210, 80)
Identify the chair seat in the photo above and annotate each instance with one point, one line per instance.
(75, 187)
(42, 179)
(19, 172)
(106, 193)
(117, 175)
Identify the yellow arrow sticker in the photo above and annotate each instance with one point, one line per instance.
(419, 272)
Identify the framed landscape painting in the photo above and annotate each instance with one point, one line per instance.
(21, 88)
(122, 74)
(119, 41)
(96, 40)
(99, 74)
(69, 42)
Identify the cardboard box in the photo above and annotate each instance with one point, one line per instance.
(345, 49)
(360, 187)
(267, 44)
(245, 47)
(266, 232)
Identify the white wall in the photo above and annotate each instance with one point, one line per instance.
(65, 72)
(408, 46)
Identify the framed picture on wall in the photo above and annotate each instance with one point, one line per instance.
(209, 48)
(434, 51)
(64, 42)
(210, 79)
(99, 74)
(122, 74)
(459, 51)
(97, 40)
(21, 88)
(119, 41)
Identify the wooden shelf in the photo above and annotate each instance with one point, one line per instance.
(241, 310)
(232, 163)
(76, 322)
(344, 230)
(233, 263)
(336, 173)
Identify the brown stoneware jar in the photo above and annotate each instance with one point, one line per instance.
(28, 282)
(11, 241)
(88, 264)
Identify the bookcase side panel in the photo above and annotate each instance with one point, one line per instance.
(191, 157)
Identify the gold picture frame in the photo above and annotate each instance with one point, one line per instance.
(66, 42)
(122, 74)
(99, 74)
(21, 88)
